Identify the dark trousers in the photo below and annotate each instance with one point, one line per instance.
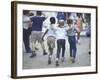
(78, 36)
(60, 44)
(72, 43)
(26, 34)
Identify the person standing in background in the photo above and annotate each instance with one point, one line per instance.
(37, 31)
(26, 30)
(61, 16)
(79, 24)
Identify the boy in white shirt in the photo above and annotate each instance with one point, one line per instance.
(59, 32)
(50, 38)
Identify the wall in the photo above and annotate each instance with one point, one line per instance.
(5, 40)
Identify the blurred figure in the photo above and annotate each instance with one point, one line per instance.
(79, 25)
(31, 14)
(26, 30)
(73, 16)
(61, 16)
(37, 31)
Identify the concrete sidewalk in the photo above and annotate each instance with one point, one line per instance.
(40, 61)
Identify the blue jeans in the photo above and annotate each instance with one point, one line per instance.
(72, 43)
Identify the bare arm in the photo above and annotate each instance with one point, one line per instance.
(44, 34)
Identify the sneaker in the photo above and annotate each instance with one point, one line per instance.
(29, 51)
(44, 52)
(73, 60)
(78, 41)
(57, 63)
(36, 48)
(33, 54)
(49, 60)
(89, 52)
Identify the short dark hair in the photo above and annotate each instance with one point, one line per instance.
(31, 14)
(39, 13)
(52, 20)
(25, 12)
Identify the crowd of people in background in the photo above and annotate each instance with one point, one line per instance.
(59, 26)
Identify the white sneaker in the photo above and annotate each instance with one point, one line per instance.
(57, 62)
(78, 41)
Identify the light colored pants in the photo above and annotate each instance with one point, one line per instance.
(37, 36)
(51, 41)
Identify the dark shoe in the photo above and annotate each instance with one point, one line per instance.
(57, 63)
(33, 54)
(89, 52)
(29, 51)
(73, 60)
(36, 48)
(49, 61)
(45, 53)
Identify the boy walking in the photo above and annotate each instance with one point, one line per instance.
(50, 38)
(71, 31)
(26, 30)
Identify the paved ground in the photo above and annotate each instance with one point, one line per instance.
(40, 61)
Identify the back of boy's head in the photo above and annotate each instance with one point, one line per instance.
(69, 21)
(52, 20)
(39, 13)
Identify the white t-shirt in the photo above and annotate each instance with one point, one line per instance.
(26, 20)
(51, 31)
(73, 16)
(61, 33)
